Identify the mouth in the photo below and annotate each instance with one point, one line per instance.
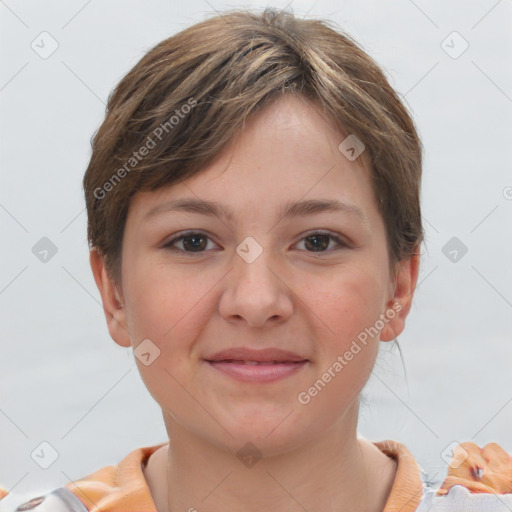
(236, 361)
(264, 365)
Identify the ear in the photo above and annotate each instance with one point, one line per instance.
(399, 304)
(113, 300)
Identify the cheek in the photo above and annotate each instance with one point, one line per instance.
(345, 303)
(348, 306)
(171, 309)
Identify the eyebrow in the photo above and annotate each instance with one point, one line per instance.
(290, 209)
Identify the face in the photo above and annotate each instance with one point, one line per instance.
(311, 283)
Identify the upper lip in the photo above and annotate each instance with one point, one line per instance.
(261, 355)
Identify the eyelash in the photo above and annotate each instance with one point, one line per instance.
(169, 245)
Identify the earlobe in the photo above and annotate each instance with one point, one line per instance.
(112, 299)
(399, 305)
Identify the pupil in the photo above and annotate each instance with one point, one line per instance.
(194, 245)
(316, 238)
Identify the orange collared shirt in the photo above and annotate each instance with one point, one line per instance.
(123, 488)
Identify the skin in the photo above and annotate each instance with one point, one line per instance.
(314, 303)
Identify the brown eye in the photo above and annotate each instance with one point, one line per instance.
(319, 242)
(195, 242)
(192, 242)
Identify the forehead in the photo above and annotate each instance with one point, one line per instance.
(287, 155)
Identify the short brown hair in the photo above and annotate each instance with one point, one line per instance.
(202, 84)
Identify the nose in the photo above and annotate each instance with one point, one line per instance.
(255, 291)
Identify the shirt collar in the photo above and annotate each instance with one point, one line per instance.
(123, 487)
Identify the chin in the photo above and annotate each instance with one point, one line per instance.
(257, 443)
(273, 430)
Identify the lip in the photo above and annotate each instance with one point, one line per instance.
(260, 355)
(257, 366)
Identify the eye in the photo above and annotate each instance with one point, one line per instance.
(319, 241)
(196, 242)
(191, 242)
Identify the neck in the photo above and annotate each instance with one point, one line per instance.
(334, 472)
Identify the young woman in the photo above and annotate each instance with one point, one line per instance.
(255, 232)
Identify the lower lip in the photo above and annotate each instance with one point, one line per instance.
(257, 372)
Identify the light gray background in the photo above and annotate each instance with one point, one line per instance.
(65, 382)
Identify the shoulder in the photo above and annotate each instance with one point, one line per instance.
(115, 487)
(477, 479)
